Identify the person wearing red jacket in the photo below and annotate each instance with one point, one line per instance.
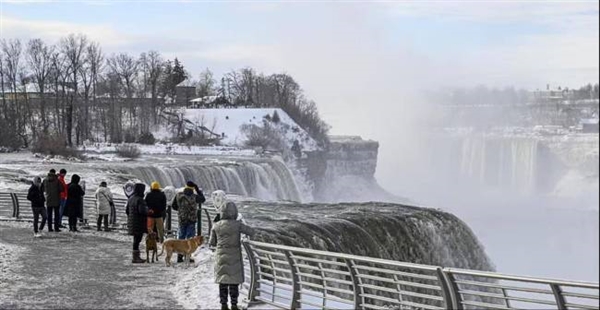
(63, 195)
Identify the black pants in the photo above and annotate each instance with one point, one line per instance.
(72, 223)
(232, 289)
(105, 217)
(36, 215)
(56, 210)
(137, 238)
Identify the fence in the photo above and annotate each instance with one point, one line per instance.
(13, 205)
(297, 278)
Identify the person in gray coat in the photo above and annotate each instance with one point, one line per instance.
(229, 267)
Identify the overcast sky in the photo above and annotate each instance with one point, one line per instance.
(360, 61)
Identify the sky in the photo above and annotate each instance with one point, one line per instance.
(362, 62)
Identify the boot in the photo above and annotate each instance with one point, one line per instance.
(234, 307)
(136, 259)
(224, 307)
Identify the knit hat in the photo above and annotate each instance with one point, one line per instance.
(190, 184)
(155, 185)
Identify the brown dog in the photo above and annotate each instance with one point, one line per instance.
(184, 247)
(151, 239)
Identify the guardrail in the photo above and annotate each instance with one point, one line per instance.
(297, 278)
(13, 204)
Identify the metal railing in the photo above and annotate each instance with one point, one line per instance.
(13, 205)
(297, 278)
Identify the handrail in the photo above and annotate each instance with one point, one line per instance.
(291, 278)
(581, 284)
(294, 278)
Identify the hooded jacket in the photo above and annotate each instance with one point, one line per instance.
(52, 188)
(137, 211)
(35, 194)
(226, 237)
(74, 206)
(103, 200)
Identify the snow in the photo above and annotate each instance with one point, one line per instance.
(227, 122)
(196, 287)
(162, 149)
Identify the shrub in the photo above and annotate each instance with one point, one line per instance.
(146, 138)
(129, 136)
(128, 151)
(276, 118)
(265, 137)
(55, 145)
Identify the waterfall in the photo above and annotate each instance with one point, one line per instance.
(510, 163)
(264, 179)
(383, 230)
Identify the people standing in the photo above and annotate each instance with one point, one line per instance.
(157, 205)
(74, 205)
(36, 196)
(63, 196)
(104, 201)
(137, 212)
(229, 268)
(186, 204)
(52, 189)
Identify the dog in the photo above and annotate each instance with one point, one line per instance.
(151, 239)
(184, 247)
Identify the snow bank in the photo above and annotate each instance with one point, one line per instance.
(227, 123)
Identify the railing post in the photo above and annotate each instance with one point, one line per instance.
(254, 284)
(357, 285)
(210, 223)
(199, 222)
(453, 288)
(558, 296)
(16, 207)
(169, 218)
(295, 303)
(445, 289)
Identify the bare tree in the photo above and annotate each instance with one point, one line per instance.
(73, 47)
(125, 67)
(11, 50)
(39, 57)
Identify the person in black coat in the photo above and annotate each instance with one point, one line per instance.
(74, 205)
(157, 205)
(36, 196)
(137, 212)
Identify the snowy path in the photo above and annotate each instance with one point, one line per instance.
(93, 270)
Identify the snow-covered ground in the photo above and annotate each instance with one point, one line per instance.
(191, 287)
(106, 151)
(227, 123)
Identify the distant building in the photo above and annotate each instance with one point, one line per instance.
(590, 125)
(184, 92)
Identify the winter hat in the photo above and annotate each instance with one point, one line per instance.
(37, 181)
(63, 171)
(75, 179)
(103, 184)
(190, 184)
(155, 185)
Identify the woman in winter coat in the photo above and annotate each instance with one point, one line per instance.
(74, 205)
(104, 200)
(229, 268)
(36, 196)
(137, 212)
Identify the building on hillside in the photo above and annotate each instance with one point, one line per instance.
(184, 92)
